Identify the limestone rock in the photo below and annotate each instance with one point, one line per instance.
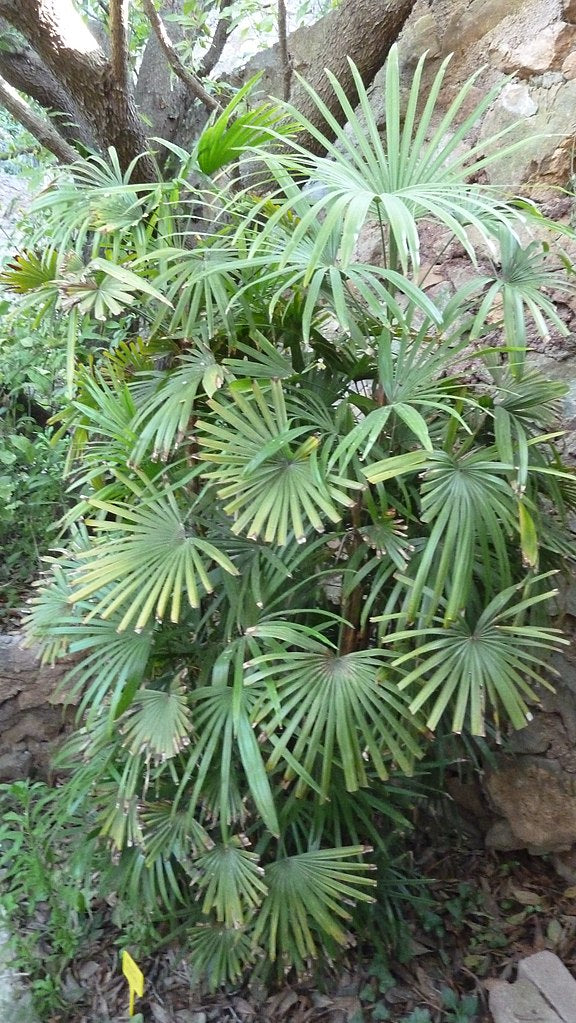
(554, 982)
(569, 66)
(544, 52)
(520, 1003)
(547, 136)
(501, 837)
(31, 713)
(15, 766)
(538, 801)
(516, 98)
(570, 11)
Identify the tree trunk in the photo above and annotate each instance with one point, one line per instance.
(65, 67)
(68, 49)
(362, 30)
(23, 69)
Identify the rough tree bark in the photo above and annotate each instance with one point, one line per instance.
(53, 56)
(377, 26)
(68, 50)
(21, 67)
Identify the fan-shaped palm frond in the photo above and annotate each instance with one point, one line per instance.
(518, 283)
(94, 196)
(318, 705)
(158, 722)
(231, 879)
(165, 400)
(28, 271)
(306, 902)
(103, 288)
(468, 500)
(524, 405)
(150, 562)
(167, 833)
(48, 606)
(418, 171)
(112, 666)
(350, 289)
(218, 954)
(200, 284)
(374, 814)
(270, 484)
(491, 662)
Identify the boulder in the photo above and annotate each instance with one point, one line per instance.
(538, 802)
(545, 992)
(544, 52)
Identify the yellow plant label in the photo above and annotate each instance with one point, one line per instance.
(135, 979)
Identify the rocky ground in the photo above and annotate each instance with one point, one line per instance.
(482, 914)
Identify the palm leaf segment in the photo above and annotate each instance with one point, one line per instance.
(232, 881)
(491, 661)
(166, 401)
(307, 896)
(418, 171)
(319, 707)
(469, 502)
(272, 471)
(302, 904)
(158, 721)
(149, 562)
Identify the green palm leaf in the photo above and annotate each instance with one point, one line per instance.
(312, 262)
(219, 955)
(112, 667)
(166, 400)
(151, 560)
(48, 606)
(95, 196)
(468, 500)
(167, 833)
(318, 705)
(158, 723)
(103, 289)
(232, 881)
(518, 282)
(419, 171)
(28, 271)
(492, 662)
(201, 285)
(271, 472)
(233, 132)
(224, 735)
(305, 905)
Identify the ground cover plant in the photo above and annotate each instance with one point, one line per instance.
(302, 539)
(32, 484)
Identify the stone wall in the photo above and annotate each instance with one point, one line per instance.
(32, 710)
(532, 43)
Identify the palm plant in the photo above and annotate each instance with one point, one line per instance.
(304, 537)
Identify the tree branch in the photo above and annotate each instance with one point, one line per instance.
(221, 33)
(38, 126)
(192, 83)
(22, 68)
(283, 50)
(65, 45)
(119, 41)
